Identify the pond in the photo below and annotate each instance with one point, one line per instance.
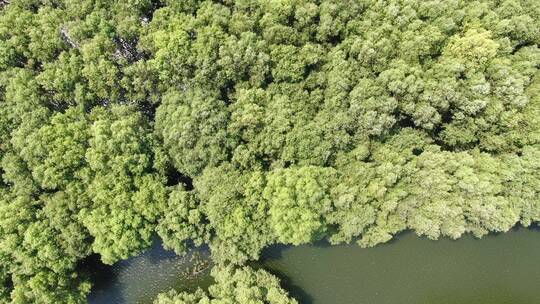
(498, 269)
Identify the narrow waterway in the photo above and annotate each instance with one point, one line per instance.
(498, 269)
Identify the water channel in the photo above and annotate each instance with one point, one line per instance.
(497, 269)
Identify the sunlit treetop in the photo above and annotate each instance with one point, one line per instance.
(241, 124)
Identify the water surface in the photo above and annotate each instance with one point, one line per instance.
(138, 280)
(498, 269)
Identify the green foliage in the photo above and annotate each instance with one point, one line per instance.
(56, 151)
(192, 125)
(45, 287)
(173, 297)
(39, 250)
(287, 121)
(233, 285)
(127, 195)
(182, 222)
(237, 212)
(299, 201)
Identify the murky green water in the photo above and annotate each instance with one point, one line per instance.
(139, 279)
(498, 269)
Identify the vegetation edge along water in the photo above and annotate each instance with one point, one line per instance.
(501, 268)
(246, 123)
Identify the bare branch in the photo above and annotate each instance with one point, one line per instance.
(67, 38)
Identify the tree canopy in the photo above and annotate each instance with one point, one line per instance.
(245, 123)
(233, 285)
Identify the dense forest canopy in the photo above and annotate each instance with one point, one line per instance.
(245, 123)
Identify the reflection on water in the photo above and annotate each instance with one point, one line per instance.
(139, 279)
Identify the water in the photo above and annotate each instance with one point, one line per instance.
(498, 269)
(139, 279)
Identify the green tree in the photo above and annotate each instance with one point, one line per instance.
(288, 121)
(233, 285)
(299, 200)
(127, 194)
(183, 222)
(193, 127)
(233, 204)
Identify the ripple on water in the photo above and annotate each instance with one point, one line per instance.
(139, 279)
